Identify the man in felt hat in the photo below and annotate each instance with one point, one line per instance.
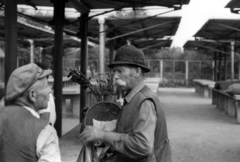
(141, 131)
(23, 135)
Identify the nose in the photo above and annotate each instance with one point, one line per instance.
(115, 75)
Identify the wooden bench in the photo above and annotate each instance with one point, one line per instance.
(230, 104)
(202, 87)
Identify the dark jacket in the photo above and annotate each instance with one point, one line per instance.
(19, 131)
(162, 151)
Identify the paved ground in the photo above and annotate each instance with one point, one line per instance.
(197, 130)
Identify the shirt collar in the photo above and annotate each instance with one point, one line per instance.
(33, 112)
(134, 91)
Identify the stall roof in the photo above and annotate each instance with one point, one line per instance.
(211, 46)
(220, 29)
(68, 41)
(84, 6)
(26, 30)
(233, 4)
(42, 36)
(145, 44)
(132, 29)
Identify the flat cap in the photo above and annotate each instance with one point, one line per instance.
(130, 55)
(22, 78)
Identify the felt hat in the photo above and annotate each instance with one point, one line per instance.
(130, 55)
(23, 78)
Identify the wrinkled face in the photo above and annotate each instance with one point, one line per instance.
(40, 94)
(124, 77)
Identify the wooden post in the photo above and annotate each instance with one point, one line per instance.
(31, 42)
(84, 58)
(174, 72)
(200, 69)
(239, 71)
(101, 22)
(225, 67)
(161, 70)
(59, 6)
(186, 75)
(220, 65)
(215, 66)
(111, 51)
(10, 38)
(232, 60)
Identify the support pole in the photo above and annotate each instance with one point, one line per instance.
(215, 66)
(220, 65)
(101, 21)
(111, 51)
(10, 38)
(161, 70)
(225, 67)
(232, 60)
(239, 71)
(84, 58)
(186, 69)
(59, 6)
(31, 42)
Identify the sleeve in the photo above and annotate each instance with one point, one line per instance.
(140, 143)
(48, 145)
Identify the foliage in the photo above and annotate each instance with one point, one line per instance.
(175, 53)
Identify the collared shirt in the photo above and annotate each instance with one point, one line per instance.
(47, 142)
(50, 109)
(141, 141)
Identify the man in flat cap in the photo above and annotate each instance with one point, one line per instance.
(23, 135)
(141, 131)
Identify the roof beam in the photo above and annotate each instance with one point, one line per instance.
(213, 49)
(154, 26)
(158, 44)
(227, 26)
(79, 6)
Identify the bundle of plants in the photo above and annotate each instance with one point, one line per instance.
(100, 88)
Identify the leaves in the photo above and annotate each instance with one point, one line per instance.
(100, 88)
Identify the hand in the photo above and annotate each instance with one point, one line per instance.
(90, 134)
(120, 101)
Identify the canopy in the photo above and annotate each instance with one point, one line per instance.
(84, 6)
(220, 29)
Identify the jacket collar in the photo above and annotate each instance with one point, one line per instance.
(134, 91)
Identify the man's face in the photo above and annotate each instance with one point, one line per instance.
(42, 91)
(123, 77)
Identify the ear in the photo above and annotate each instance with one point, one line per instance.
(138, 71)
(32, 95)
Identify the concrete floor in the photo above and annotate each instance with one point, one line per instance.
(198, 131)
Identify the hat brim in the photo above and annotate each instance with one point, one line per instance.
(45, 73)
(146, 70)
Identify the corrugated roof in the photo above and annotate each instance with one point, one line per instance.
(233, 4)
(220, 29)
(84, 6)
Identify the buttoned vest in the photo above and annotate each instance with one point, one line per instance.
(19, 131)
(126, 120)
